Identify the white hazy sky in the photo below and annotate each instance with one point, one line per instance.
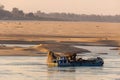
(105, 7)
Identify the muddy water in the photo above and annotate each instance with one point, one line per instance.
(34, 68)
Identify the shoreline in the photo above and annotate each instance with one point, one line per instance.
(31, 51)
(36, 50)
(70, 33)
(111, 43)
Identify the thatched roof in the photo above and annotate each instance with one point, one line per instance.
(61, 49)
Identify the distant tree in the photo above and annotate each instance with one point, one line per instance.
(30, 15)
(40, 14)
(15, 10)
(21, 13)
(1, 7)
(5, 15)
(17, 14)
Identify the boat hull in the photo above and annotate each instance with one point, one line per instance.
(92, 62)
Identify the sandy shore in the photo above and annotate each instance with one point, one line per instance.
(39, 50)
(20, 51)
(36, 32)
(58, 31)
(72, 33)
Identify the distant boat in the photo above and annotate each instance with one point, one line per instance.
(66, 55)
(71, 60)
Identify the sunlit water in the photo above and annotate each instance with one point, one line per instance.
(35, 68)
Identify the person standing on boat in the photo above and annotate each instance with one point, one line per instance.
(72, 57)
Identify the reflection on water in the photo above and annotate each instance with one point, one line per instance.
(34, 68)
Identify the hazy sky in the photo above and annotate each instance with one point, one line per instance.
(105, 7)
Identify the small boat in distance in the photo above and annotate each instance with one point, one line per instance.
(66, 55)
(72, 61)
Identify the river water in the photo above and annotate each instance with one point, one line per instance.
(35, 68)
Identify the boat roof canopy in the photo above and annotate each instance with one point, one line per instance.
(63, 49)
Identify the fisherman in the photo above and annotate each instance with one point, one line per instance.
(72, 58)
(51, 57)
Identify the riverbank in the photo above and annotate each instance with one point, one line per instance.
(70, 33)
(36, 32)
(37, 50)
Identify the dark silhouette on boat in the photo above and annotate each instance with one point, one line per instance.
(66, 61)
(63, 55)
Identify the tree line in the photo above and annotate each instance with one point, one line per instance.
(17, 14)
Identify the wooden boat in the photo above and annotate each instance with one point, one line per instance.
(67, 61)
(65, 55)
